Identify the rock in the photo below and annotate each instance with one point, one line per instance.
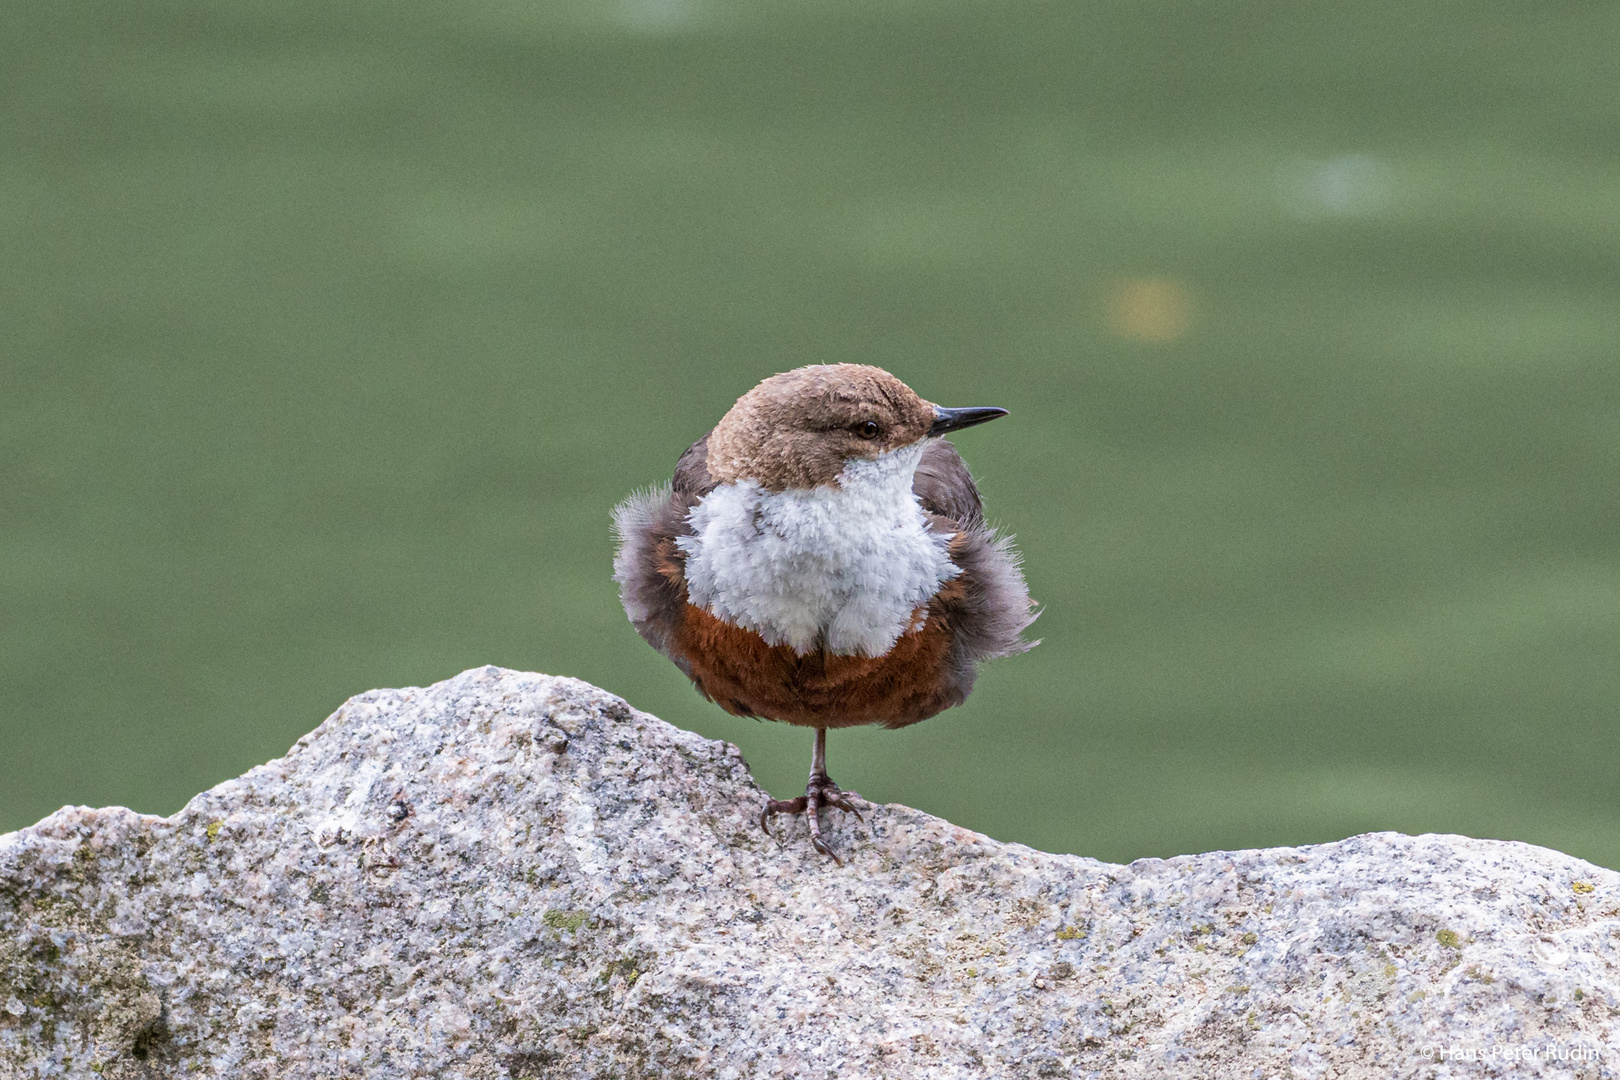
(512, 875)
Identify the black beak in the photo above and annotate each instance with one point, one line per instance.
(946, 420)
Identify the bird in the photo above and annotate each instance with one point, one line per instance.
(821, 558)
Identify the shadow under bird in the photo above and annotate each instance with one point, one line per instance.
(821, 558)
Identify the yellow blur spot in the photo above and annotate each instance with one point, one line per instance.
(1152, 309)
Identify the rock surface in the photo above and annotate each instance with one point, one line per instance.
(513, 875)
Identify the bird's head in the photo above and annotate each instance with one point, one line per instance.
(800, 428)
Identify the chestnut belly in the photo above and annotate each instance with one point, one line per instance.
(743, 675)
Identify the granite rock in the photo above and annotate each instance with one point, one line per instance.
(514, 875)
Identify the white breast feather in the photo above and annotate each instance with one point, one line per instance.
(846, 563)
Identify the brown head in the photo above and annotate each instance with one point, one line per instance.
(799, 428)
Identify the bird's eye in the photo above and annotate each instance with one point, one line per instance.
(868, 430)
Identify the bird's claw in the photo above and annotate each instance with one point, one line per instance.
(821, 845)
(780, 806)
(843, 803)
(820, 792)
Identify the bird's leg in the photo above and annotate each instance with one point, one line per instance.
(821, 791)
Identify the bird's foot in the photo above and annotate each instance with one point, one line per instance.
(820, 792)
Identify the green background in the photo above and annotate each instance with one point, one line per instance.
(333, 332)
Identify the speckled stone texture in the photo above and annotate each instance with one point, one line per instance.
(513, 875)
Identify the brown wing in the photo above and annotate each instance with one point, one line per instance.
(944, 487)
(987, 606)
(648, 566)
(692, 480)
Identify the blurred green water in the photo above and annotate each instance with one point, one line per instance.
(334, 332)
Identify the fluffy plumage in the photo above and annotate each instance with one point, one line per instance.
(821, 558)
(841, 567)
(978, 613)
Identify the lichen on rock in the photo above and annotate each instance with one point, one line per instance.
(513, 875)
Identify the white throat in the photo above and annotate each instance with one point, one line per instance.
(842, 565)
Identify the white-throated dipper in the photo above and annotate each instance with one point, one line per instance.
(821, 558)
